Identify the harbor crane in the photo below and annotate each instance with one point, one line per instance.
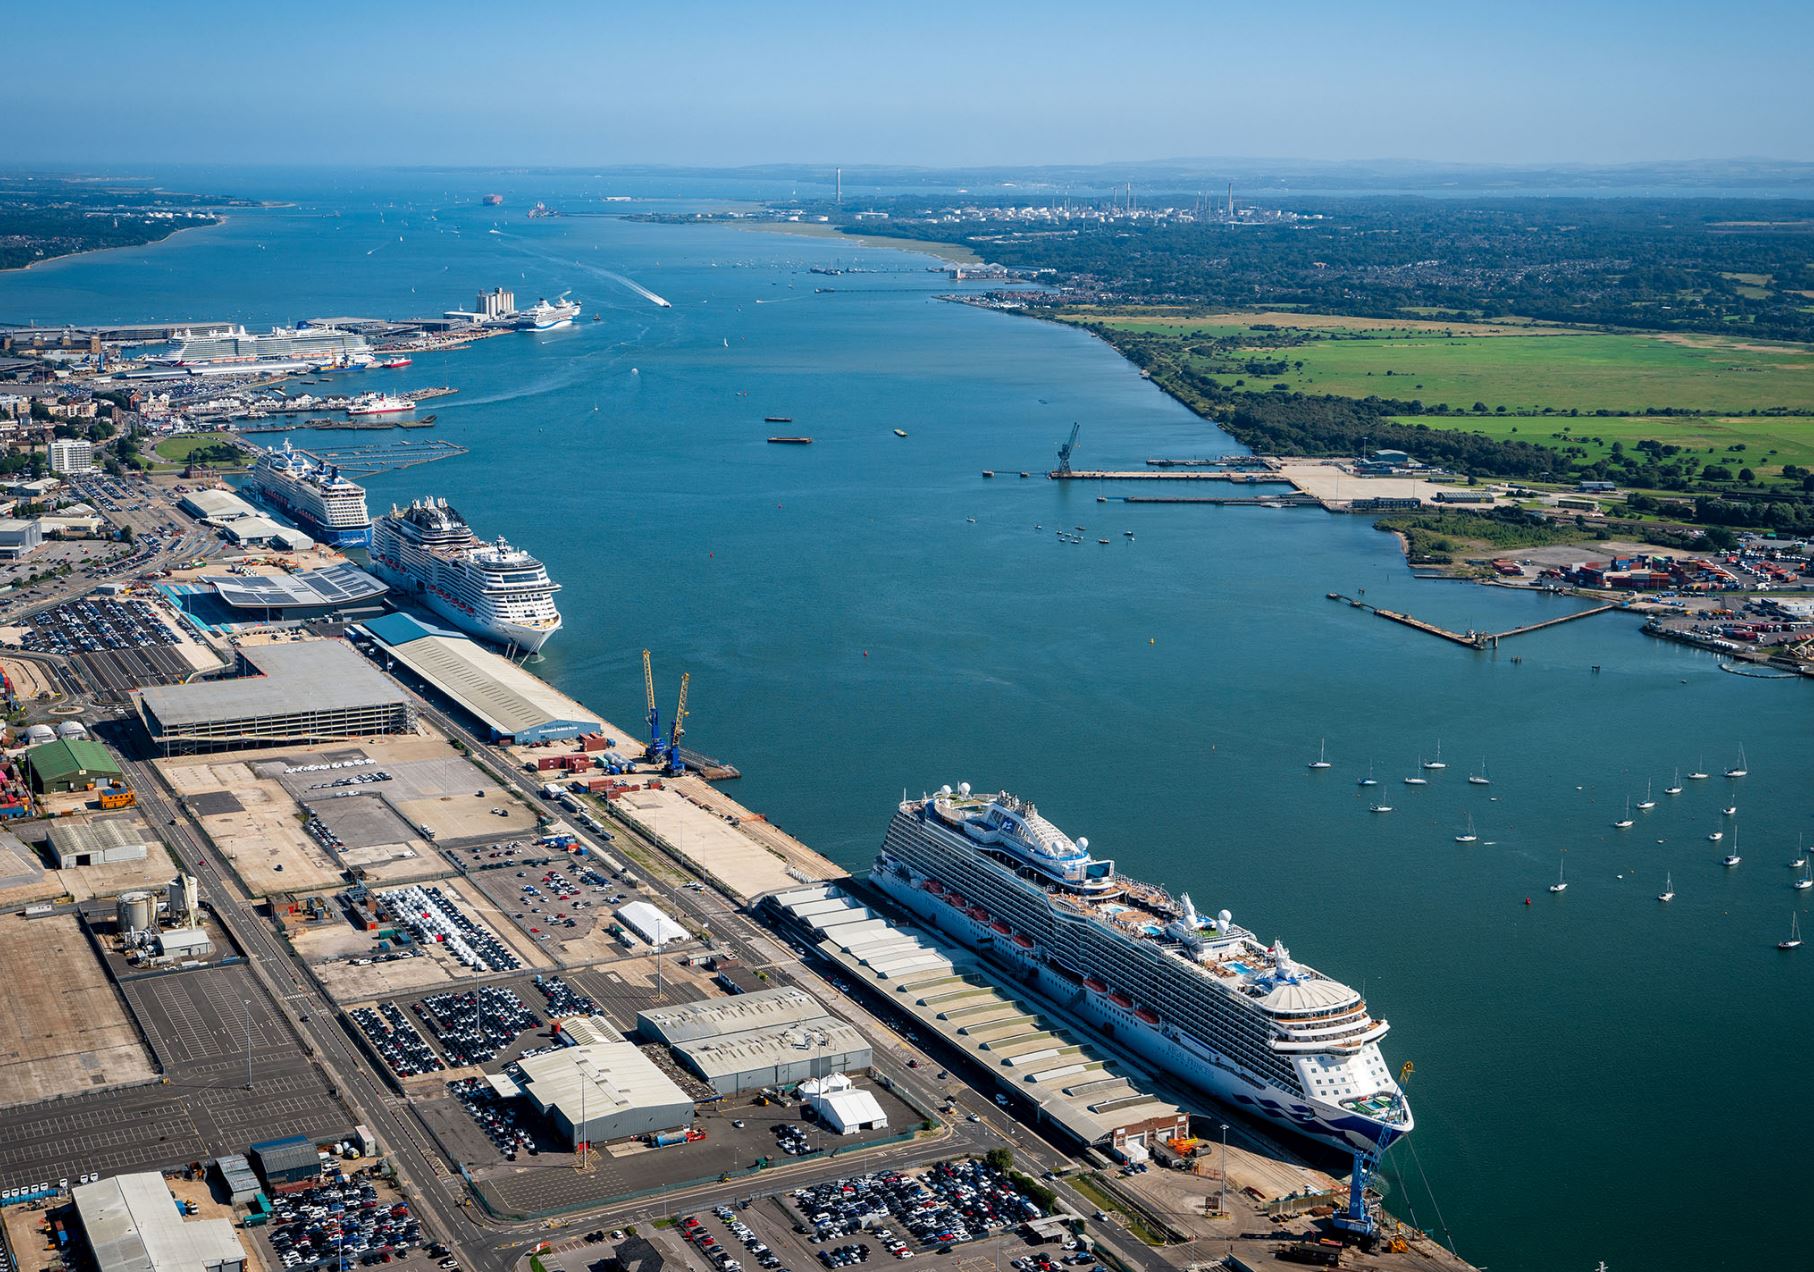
(1064, 452)
(1359, 1220)
(652, 752)
(676, 765)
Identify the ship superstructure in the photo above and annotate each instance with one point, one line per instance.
(547, 315)
(1200, 997)
(491, 589)
(322, 346)
(314, 495)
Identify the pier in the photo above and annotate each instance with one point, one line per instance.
(363, 461)
(1296, 499)
(1179, 473)
(1471, 638)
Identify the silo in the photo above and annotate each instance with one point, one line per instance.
(136, 911)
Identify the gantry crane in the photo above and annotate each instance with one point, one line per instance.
(676, 765)
(1064, 452)
(653, 752)
(1360, 1220)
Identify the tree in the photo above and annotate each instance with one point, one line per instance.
(1719, 538)
(1746, 475)
(999, 1159)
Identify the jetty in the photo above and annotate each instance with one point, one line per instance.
(1475, 639)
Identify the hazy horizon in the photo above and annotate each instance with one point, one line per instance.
(941, 86)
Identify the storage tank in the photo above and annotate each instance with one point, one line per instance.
(180, 899)
(136, 911)
(72, 729)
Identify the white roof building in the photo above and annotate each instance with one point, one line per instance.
(841, 1107)
(774, 1037)
(133, 1225)
(651, 924)
(604, 1092)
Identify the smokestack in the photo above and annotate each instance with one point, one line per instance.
(840, 187)
(1231, 200)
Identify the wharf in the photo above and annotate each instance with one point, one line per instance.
(1296, 499)
(1475, 639)
(1161, 474)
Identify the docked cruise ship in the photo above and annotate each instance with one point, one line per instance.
(312, 494)
(546, 316)
(320, 346)
(493, 590)
(1200, 998)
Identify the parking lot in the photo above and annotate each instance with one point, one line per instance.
(351, 1222)
(120, 644)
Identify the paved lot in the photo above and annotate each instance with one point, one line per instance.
(194, 1019)
(262, 838)
(65, 1032)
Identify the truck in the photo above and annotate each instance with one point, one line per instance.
(666, 1139)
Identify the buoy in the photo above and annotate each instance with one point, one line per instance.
(1151, 641)
(865, 653)
(1527, 900)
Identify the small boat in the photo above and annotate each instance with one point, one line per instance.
(1730, 810)
(391, 364)
(1668, 892)
(1624, 823)
(1676, 787)
(777, 419)
(1437, 762)
(1561, 883)
(1793, 940)
(1801, 855)
(1380, 808)
(988, 472)
(1806, 881)
(1369, 779)
(1732, 858)
(1698, 774)
(791, 441)
(1649, 801)
(1104, 542)
(1739, 769)
(1716, 836)
(900, 432)
(1480, 778)
(1128, 535)
(1415, 780)
(1322, 760)
(970, 520)
(1468, 836)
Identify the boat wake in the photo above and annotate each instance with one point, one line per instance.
(638, 288)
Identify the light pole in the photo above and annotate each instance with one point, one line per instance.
(246, 1008)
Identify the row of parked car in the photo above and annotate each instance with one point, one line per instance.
(474, 1026)
(338, 1222)
(404, 1049)
(953, 1202)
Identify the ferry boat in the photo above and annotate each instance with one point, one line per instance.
(547, 316)
(312, 494)
(391, 364)
(1201, 998)
(379, 404)
(493, 590)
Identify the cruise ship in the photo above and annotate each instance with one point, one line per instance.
(312, 494)
(493, 590)
(321, 346)
(1200, 998)
(546, 316)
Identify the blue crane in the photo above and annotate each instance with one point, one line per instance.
(654, 753)
(1359, 1219)
(1064, 452)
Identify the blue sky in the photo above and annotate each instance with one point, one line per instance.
(925, 82)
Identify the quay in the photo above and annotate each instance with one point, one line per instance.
(1474, 639)
(1296, 499)
(1178, 473)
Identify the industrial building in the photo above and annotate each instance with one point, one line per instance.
(70, 764)
(263, 531)
(585, 1031)
(100, 842)
(841, 1107)
(603, 1092)
(287, 1164)
(237, 1178)
(216, 507)
(652, 924)
(335, 591)
(306, 692)
(133, 1224)
(777, 1037)
(18, 538)
(508, 701)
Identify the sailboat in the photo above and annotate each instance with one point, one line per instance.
(1698, 774)
(1716, 836)
(1468, 836)
(1801, 855)
(1322, 760)
(1739, 769)
(1369, 779)
(1668, 892)
(1730, 810)
(1624, 823)
(1649, 801)
(1380, 808)
(1806, 881)
(1414, 779)
(1674, 788)
(1480, 778)
(1561, 884)
(1793, 940)
(1732, 858)
(1437, 762)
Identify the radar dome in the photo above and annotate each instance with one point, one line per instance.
(963, 788)
(945, 790)
(1083, 845)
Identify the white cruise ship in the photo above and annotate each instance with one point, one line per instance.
(321, 346)
(428, 552)
(1200, 998)
(312, 494)
(546, 316)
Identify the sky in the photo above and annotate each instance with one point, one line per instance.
(926, 82)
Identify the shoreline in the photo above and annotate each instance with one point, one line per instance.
(220, 219)
(954, 253)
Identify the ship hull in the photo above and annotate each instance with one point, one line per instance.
(358, 536)
(1216, 1076)
(515, 636)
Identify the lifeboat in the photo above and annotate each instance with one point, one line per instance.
(1002, 928)
(933, 886)
(979, 914)
(1025, 942)
(1091, 983)
(1147, 1014)
(1120, 999)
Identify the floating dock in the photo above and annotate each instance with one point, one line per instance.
(1473, 639)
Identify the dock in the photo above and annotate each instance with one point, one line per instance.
(1178, 473)
(1472, 639)
(1296, 499)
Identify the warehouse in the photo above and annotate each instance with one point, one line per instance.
(777, 1037)
(236, 1176)
(603, 1092)
(305, 692)
(651, 924)
(98, 843)
(287, 1164)
(133, 1224)
(503, 697)
(216, 506)
(70, 764)
(840, 1107)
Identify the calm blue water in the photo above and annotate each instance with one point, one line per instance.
(851, 632)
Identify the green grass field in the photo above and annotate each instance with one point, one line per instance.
(177, 450)
(1790, 438)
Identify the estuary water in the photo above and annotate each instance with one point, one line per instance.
(1597, 1074)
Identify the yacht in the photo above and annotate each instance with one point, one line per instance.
(1380, 808)
(1368, 780)
(1668, 892)
(1649, 801)
(1322, 760)
(1806, 881)
(1732, 858)
(1480, 778)
(1467, 836)
(1414, 779)
(1793, 940)
(1675, 787)
(1561, 883)
(1739, 769)
(1437, 762)
(1624, 823)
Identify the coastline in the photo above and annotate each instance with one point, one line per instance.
(955, 253)
(219, 219)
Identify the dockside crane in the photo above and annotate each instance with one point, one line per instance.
(653, 751)
(676, 765)
(1064, 452)
(1359, 1220)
